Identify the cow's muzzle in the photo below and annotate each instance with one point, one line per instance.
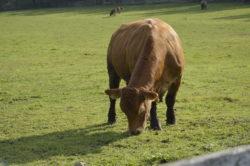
(136, 131)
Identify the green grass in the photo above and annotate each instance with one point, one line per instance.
(53, 75)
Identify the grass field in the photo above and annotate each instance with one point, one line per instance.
(53, 109)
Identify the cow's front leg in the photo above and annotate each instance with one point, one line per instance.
(114, 81)
(154, 122)
(170, 101)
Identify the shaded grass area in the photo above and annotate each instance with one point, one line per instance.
(243, 16)
(53, 75)
(71, 142)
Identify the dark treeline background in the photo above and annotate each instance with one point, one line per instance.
(25, 4)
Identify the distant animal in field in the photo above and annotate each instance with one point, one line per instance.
(116, 10)
(119, 9)
(203, 4)
(148, 55)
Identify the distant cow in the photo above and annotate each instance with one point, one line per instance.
(119, 9)
(116, 10)
(148, 55)
(203, 4)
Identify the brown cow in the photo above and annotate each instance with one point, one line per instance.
(148, 55)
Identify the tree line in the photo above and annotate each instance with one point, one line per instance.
(25, 4)
(22, 4)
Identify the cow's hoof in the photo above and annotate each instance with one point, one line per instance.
(111, 122)
(171, 121)
(156, 126)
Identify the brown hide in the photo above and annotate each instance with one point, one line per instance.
(148, 55)
(156, 49)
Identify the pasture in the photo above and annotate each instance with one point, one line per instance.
(53, 110)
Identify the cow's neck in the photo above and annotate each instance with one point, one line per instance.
(144, 73)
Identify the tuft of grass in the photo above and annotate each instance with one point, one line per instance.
(53, 110)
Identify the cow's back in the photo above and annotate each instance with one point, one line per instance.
(130, 41)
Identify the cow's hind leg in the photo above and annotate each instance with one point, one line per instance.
(170, 101)
(154, 122)
(114, 81)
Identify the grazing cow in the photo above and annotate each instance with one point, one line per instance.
(119, 9)
(203, 4)
(116, 10)
(148, 55)
(112, 12)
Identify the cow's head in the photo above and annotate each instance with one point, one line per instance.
(136, 104)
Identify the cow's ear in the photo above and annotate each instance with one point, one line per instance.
(149, 95)
(114, 93)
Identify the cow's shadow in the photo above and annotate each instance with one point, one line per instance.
(65, 143)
